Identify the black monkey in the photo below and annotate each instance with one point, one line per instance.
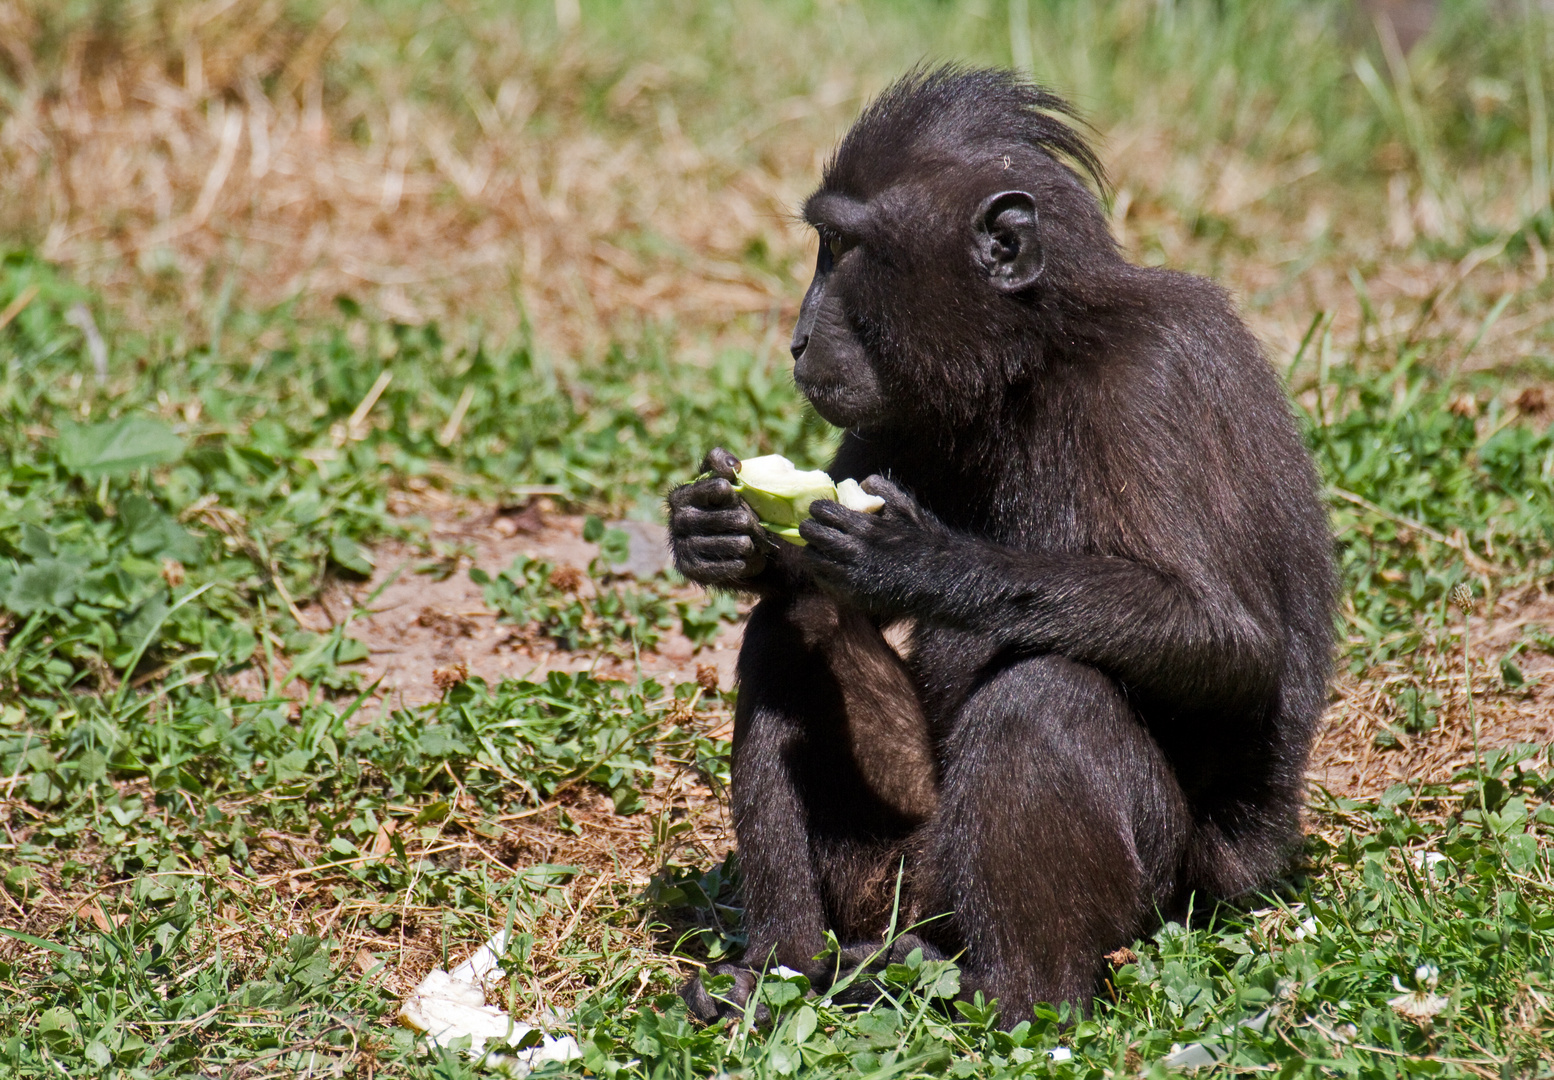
(1102, 541)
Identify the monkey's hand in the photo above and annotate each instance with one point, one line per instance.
(716, 539)
(874, 560)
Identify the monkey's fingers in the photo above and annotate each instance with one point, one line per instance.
(718, 560)
(708, 1007)
(720, 462)
(834, 515)
(825, 542)
(710, 492)
(735, 548)
(896, 499)
(867, 960)
(727, 521)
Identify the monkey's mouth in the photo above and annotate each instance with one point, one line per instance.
(833, 402)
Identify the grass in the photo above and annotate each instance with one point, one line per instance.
(338, 257)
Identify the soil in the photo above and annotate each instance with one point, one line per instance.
(421, 626)
(425, 622)
(1364, 748)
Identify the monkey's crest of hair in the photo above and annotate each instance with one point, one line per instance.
(953, 108)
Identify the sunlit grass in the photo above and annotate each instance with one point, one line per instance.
(338, 252)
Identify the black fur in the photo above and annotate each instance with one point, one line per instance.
(1102, 531)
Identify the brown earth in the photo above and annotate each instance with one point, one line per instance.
(425, 621)
(420, 624)
(1363, 750)
(420, 627)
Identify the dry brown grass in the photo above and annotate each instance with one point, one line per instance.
(158, 171)
(294, 886)
(1365, 747)
(212, 148)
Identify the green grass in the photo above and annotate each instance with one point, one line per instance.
(257, 487)
(167, 786)
(156, 530)
(1303, 986)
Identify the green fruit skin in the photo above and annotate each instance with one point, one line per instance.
(790, 533)
(778, 510)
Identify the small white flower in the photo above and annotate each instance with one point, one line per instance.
(1061, 1053)
(784, 972)
(1427, 860)
(1306, 928)
(1420, 1006)
(1424, 1003)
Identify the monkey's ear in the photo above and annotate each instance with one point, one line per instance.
(1006, 245)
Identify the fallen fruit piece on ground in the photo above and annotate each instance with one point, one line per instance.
(449, 1005)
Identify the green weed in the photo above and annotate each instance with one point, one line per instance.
(169, 497)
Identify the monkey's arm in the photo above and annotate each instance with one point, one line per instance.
(1177, 638)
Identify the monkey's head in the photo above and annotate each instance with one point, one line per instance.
(955, 245)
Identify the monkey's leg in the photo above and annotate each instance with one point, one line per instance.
(1060, 827)
(832, 770)
(1242, 842)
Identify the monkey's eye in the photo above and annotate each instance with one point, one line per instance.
(833, 243)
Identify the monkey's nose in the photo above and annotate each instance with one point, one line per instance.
(800, 341)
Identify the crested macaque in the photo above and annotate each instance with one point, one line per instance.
(1069, 676)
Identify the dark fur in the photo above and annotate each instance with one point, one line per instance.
(1103, 528)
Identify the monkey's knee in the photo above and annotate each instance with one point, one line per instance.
(1068, 725)
(1227, 863)
(1061, 826)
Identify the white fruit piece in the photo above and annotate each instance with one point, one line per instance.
(779, 492)
(851, 495)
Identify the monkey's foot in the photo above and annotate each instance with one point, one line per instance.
(861, 965)
(864, 963)
(710, 1008)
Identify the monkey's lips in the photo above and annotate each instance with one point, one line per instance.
(780, 493)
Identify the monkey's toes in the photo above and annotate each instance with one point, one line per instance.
(710, 1008)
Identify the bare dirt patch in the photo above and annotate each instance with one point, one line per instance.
(294, 886)
(427, 626)
(426, 623)
(424, 628)
(1364, 746)
(418, 624)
